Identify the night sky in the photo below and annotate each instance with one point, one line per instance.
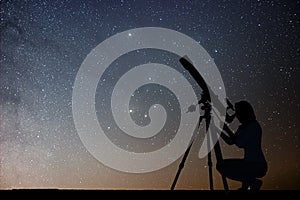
(254, 44)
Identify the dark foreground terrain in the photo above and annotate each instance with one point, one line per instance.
(152, 194)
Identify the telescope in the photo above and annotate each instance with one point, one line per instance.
(206, 105)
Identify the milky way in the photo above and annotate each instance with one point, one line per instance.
(254, 44)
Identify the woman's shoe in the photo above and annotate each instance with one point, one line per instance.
(255, 185)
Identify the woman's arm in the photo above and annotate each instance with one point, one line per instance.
(227, 139)
(228, 131)
(230, 138)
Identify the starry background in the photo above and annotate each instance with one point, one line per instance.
(255, 45)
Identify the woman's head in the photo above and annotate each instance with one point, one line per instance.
(244, 112)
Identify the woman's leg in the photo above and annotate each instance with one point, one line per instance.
(232, 168)
(239, 170)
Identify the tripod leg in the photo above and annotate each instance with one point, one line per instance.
(209, 163)
(219, 158)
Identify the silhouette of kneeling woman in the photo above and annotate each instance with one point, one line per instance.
(248, 136)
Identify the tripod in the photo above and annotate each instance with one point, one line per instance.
(217, 150)
(206, 101)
